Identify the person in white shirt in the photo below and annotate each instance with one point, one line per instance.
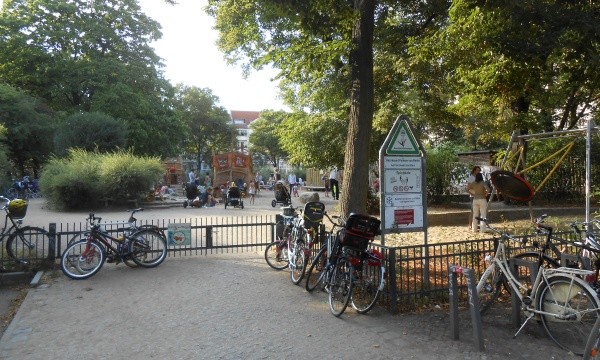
(192, 177)
(334, 184)
(292, 182)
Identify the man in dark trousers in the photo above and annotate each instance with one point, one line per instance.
(333, 183)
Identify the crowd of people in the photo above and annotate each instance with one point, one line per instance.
(209, 195)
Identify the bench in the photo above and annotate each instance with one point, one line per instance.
(312, 188)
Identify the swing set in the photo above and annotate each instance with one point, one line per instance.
(510, 180)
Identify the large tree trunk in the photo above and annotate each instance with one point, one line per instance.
(356, 162)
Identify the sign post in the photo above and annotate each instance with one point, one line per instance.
(402, 178)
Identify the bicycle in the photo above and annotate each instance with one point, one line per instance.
(565, 304)
(276, 253)
(304, 231)
(333, 268)
(25, 244)
(84, 258)
(589, 248)
(132, 227)
(592, 345)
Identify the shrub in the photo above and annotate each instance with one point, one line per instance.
(84, 178)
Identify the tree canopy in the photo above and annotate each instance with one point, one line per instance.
(208, 127)
(82, 56)
(29, 129)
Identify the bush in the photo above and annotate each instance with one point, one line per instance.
(442, 172)
(84, 178)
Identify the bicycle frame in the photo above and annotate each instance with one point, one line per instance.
(6, 230)
(543, 275)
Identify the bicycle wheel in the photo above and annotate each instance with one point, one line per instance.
(572, 311)
(340, 286)
(489, 288)
(522, 271)
(592, 346)
(29, 245)
(367, 284)
(81, 259)
(316, 273)
(276, 255)
(298, 263)
(148, 248)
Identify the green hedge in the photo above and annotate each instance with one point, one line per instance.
(83, 179)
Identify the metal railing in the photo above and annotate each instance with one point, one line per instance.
(406, 286)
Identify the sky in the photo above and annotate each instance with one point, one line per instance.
(191, 57)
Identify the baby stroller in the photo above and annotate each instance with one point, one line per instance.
(282, 195)
(191, 193)
(234, 198)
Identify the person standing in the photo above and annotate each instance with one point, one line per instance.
(476, 170)
(208, 180)
(192, 177)
(334, 184)
(258, 181)
(252, 191)
(479, 191)
(292, 182)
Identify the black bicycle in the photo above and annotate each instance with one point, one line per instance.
(84, 258)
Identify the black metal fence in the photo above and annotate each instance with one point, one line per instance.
(416, 275)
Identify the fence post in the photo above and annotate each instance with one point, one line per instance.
(453, 292)
(209, 237)
(393, 288)
(52, 241)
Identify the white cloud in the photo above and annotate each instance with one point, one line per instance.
(191, 57)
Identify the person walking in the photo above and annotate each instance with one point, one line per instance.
(292, 182)
(479, 191)
(258, 179)
(334, 184)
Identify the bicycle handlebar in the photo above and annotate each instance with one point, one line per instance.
(335, 220)
(503, 235)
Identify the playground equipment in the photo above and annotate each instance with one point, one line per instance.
(515, 157)
(232, 167)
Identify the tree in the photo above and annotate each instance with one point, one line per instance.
(91, 132)
(83, 56)
(29, 129)
(264, 139)
(317, 45)
(313, 140)
(515, 65)
(208, 126)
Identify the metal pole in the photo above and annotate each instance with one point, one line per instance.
(588, 166)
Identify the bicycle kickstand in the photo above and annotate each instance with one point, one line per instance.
(523, 325)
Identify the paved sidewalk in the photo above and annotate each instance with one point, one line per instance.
(233, 307)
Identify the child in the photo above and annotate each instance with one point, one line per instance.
(252, 191)
(295, 191)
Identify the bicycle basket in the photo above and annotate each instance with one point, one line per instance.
(17, 208)
(359, 231)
